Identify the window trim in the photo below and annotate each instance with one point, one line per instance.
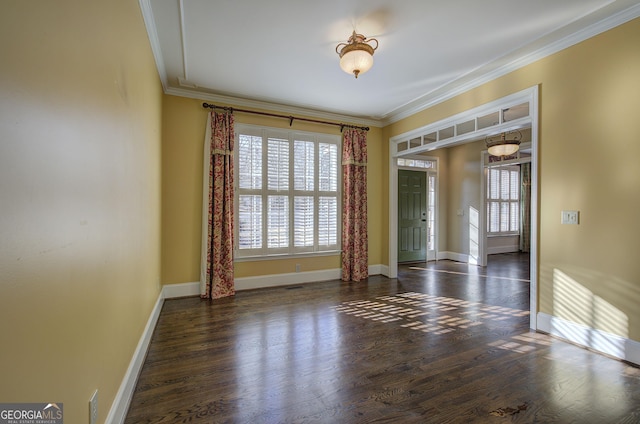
(242, 255)
(489, 201)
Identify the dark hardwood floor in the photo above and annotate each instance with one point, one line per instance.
(442, 343)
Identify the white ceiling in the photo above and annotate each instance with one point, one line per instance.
(280, 54)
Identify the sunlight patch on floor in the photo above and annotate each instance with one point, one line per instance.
(444, 271)
(428, 313)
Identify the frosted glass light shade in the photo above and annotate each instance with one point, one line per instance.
(356, 62)
(503, 149)
(356, 55)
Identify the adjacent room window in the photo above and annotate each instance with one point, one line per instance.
(503, 200)
(287, 192)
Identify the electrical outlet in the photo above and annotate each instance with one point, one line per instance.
(93, 408)
(569, 217)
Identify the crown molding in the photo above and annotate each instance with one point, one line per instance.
(512, 62)
(272, 107)
(482, 75)
(195, 92)
(150, 24)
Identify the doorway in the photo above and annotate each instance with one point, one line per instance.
(412, 216)
(416, 216)
(491, 118)
(506, 199)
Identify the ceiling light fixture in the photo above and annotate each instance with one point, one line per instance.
(503, 146)
(356, 55)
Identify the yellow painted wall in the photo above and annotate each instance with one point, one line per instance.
(589, 162)
(183, 124)
(463, 193)
(442, 200)
(384, 195)
(80, 122)
(182, 141)
(588, 134)
(80, 183)
(461, 180)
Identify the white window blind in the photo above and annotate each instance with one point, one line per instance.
(250, 215)
(277, 222)
(503, 200)
(297, 210)
(304, 165)
(328, 167)
(278, 164)
(250, 148)
(328, 221)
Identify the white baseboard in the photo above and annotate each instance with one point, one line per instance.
(453, 256)
(379, 270)
(502, 249)
(601, 341)
(273, 280)
(120, 405)
(170, 291)
(610, 344)
(502, 244)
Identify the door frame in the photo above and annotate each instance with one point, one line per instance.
(426, 171)
(484, 234)
(529, 95)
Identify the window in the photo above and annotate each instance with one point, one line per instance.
(287, 192)
(503, 200)
(416, 163)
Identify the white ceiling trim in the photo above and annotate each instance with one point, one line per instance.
(185, 70)
(497, 106)
(469, 81)
(273, 107)
(149, 23)
(459, 86)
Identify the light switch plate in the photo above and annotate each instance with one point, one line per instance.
(570, 217)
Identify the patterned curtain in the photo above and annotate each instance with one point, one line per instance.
(355, 255)
(525, 207)
(216, 265)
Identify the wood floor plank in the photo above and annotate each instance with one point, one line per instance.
(442, 343)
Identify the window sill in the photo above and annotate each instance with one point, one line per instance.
(286, 256)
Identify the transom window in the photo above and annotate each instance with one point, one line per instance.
(503, 200)
(287, 192)
(416, 163)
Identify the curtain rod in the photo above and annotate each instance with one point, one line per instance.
(290, 118)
